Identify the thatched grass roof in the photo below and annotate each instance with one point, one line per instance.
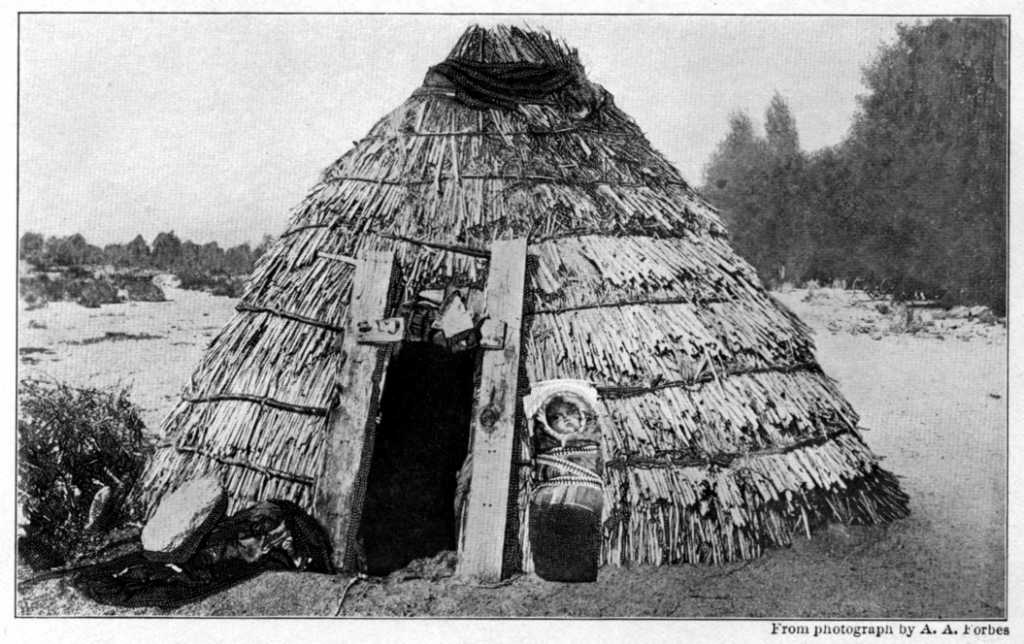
(724, 434)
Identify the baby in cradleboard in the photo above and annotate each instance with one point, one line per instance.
(569, 431)
(566, 507)
(567, 423)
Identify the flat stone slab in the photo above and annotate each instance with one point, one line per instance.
(183, 518)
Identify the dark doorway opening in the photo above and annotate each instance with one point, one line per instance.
(421, 442)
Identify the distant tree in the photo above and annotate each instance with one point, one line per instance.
(913, 201)
(835, 218)
(166, 253)
(238, 260)
(929, 151)
(116, 254)
(55, 251)
(735, 180)
(211, 258)
(137, 252)
(757, 184)
(786, 220)
(734, 157)
(780, 131)
(69, 251)
(95, 255)
(30, 248)
(190, 254)
(262, 248)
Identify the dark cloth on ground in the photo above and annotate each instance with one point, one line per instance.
(135, 581)
(272, 535)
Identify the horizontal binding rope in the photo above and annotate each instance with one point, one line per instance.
(471, 133)
(259, 400)
(249, 308)
(511, 177)
(338, 258)
(451, 248)
(299, 229)
(266, 471)
(477, 252)
(620, 303)
(590, 232)
(722, 459)
(615, 392)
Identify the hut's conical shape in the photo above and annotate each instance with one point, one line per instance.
(724, 436)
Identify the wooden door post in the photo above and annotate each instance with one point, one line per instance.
(342, 488)
(494, 417)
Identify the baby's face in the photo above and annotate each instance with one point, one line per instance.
(564, 418)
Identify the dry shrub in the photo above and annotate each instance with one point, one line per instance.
(88, 288)
(38, 289)
(71, 442)
(213, 283)
(139, 288)
(92, 292)
(88, 291)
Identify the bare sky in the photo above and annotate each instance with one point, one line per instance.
(215, 126)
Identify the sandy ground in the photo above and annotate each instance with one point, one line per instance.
(934, 403)
(151, 347)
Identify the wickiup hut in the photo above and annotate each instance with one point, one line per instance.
(505, 226)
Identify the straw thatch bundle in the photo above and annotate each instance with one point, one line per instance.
(723, 435)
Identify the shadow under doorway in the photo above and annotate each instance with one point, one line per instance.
(421, 442)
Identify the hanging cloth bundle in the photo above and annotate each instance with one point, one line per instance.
(504, 85)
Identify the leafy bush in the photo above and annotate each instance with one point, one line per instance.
(223, 285)
(71, 443)
(77, 284)
(92, 292)
(87, 291)
(139, 288)
(200, 267)
(39, 289)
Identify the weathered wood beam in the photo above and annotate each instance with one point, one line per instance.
(342, 488)
(494, 417)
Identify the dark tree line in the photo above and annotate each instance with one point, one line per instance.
(912, 203)
(167, 253)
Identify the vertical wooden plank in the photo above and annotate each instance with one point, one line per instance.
(342, 488)
(494, 414)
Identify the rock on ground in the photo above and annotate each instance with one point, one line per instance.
(934, 409)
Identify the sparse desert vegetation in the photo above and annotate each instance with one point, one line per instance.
(56, 269)
(934, 408)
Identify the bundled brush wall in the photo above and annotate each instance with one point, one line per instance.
(724, 436)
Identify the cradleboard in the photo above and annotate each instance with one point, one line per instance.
(567, 497)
